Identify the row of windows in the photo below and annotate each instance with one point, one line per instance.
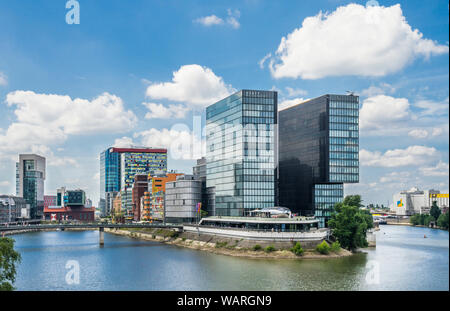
(345, 170)
(344, 112)
(343, 141)
(255, 107)
(344, 126)
(328, 193)
(255, 120)
(329, 186)
(344, 134)
(345, 105)
(344, 148)
(344, 155)
(342, 119)
(344, 178)
(344, 163)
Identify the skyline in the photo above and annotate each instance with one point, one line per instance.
(140, 81)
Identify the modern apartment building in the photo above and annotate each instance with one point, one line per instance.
(318, 143)
(12, 208)
(118, 166)
(182, 199)
(157, 189)
(30, 176)
(241, 151)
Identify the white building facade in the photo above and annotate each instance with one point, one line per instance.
(415, 201)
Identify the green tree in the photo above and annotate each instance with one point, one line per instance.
(349, 223)
(297, 249)
(323, 248)
(443, 221)
(435, 210)
(8, 259)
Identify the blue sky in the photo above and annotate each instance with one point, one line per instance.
(70, 91)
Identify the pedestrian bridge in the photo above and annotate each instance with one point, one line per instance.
(100, 226)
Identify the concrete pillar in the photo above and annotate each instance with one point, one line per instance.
(101, 235)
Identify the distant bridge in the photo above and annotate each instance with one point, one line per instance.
(101, 227)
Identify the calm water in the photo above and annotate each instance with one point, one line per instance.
(405, 260)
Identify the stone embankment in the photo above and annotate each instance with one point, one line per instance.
(225, 246)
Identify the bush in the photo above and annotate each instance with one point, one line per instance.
(443, 221)
(257, 247)
(297, 249)
(269, 249)
(172, 234)
(336, 247)
(323, 248)
(221, 244)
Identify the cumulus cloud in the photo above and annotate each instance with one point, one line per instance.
(232, 19)
(380, 89)
(194, 85)
(124, 142)
(353, 40)
(382, 111)
(105, 113)
(411, 156)
(179, 140)
(209, 20)
(441, 169)
(3, 79)
(432, 108)
(159, 111)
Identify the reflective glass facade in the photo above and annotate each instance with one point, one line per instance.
(240, 151)
(318, 149)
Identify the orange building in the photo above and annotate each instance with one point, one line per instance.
(153, 208)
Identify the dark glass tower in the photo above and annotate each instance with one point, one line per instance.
(318, 153)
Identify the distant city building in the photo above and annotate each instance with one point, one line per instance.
(118, 166)
(318, 152)
(70, 206)
(49, 201)
(183, 197)
(12, 208)
(156, 192)
(415, 201)
(30, 176)
(140, 186)
(241, 151)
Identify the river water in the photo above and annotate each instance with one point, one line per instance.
(402, 260)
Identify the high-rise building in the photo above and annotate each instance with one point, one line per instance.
(241, 151)
(30, 176)
(140, 186)
(157, 190)
(12, 208)
(118, 166)
(318, 152)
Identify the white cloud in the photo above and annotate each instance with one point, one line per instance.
(263, 60)
(104, 113)
(232, 19)
(432, 108)
(353, 40)
(209, 20)
(418, 133)
(383, 111)
(3, 79)
(289, 103)
(194, 85)
(411, 156)
(159, 111)
(441, 169)
(124, 142)
(396, 177)
(381, 89)
(180, 142)
(295, 92)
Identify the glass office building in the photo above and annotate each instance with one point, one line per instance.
(30, 176)
(318, 153)
(241, 151)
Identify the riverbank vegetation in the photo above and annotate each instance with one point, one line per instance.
(349, 223)
(436, 219)
(8, 260)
